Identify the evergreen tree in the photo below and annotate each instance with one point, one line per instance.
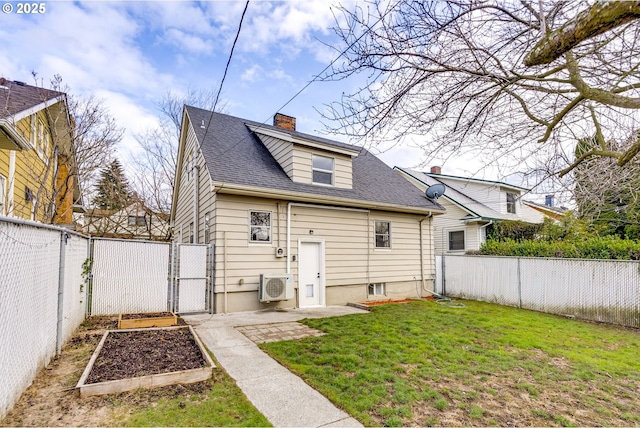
(112, 188)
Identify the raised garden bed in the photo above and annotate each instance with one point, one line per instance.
(150, 319)
(145, 358)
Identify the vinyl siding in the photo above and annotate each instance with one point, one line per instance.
(282, 151)
(450, 222)
(302, 166)
(351, 261)
(185, 201)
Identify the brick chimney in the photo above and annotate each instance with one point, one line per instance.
(436, 170)
(286, 122)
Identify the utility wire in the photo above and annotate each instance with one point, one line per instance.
(226, 69)
(368, 30)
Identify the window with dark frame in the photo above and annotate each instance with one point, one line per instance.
(191, 237)
(260, 226)
(511, 202)
(383, 234)
(456, 240)
(322, 169)
(137, 220)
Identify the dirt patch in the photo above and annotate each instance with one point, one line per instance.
(52, 399)
(146, 315)
(142, 353)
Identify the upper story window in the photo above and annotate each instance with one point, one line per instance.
(511, 203)
(383, 234)
(137, 220)
(189, 166)
(322, 170)
(260, 226)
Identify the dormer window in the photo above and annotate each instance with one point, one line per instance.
(323, 169)
(511, 203)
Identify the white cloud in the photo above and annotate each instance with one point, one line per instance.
(191, 43)
(252, 74)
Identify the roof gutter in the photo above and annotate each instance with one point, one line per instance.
(237, 189)
(8, 128)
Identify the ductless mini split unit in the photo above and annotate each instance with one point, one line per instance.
(275, 287)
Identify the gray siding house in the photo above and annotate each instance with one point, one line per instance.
(297, 220)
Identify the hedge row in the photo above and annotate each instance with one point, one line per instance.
(608, 247)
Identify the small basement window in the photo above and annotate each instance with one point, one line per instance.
(322, 168)
(260, 227)
(376, 289)
(456, 240)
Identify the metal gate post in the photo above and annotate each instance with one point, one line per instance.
(171, 283)
(211, 273)
(61, 265)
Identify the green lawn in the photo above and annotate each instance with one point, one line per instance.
(424, 364)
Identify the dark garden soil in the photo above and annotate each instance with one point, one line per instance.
(142, 353)
(146, 315)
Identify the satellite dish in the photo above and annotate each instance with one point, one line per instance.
(435, 191)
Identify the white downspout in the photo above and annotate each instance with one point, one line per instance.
(196, 205)
(289, 238)
(485, 232)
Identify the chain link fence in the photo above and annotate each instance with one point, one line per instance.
(42, 299)
(595, 290)
(129, 276)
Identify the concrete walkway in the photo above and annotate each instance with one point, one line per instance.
(282, 397)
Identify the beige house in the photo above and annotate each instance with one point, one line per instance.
(472, 205)
(297, 220)
(135, 221)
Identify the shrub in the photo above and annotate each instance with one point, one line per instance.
(606, 247)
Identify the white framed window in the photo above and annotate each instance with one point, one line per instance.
(260, 226)
(382, 234)
(189, 166)
(3, 194)
(322, 170)
(207, 237)
(377, 289)
(456, 240)
(511, 202)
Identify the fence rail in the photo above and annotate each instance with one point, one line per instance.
(596, 290)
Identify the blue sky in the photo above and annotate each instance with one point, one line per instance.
(130, 53)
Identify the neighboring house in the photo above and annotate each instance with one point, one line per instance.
(37, 175)
(548, 208)
(329, 219)
(472, 205)
(136, 221)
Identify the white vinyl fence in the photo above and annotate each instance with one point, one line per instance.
(596, 290)
(42, 299)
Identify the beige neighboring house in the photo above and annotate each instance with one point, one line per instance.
(133, 222)
(472, 205)
(297, 220)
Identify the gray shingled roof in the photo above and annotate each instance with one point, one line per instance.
(17, 96)
(236, 155)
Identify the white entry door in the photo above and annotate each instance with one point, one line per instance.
(310, 274)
